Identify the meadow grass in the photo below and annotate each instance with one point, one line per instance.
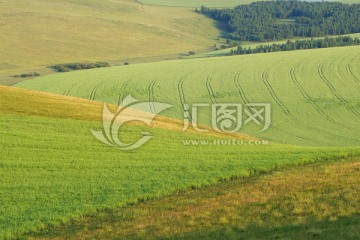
(43, 33)
(54, 170)
(316, 201)
(313, 93)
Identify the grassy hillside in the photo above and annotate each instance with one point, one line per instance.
(314, 94)
(53, 169)
(297, 203)
(42, 32)
(211, 3)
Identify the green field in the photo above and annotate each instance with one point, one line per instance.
(314, 94)
(210, 3)
(295, 203)
(55, 170)
(297, 180)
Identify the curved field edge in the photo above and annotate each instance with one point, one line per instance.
(25, 102)
(55, 171)
(314, 94)
(302, 203)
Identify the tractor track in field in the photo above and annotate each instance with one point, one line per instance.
(151, 96)
(247, 102)
(315, 105)
(210, 90)
(182, 97)
(66, 92)
(122, 92)
(273, 94)
(350, 72)
(94, 91)
(308, 97)
(240, 89)
(243, 95)
(284, 108)
(333, 89)
(242, 92)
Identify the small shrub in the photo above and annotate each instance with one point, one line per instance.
(79, 66)
(26, 75)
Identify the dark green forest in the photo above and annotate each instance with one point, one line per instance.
(277, 20)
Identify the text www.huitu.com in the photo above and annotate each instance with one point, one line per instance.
(225, 142)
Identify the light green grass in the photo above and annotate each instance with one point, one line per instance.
(53, 169)
(313, 93)
(209, 3)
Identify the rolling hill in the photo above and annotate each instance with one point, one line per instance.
(55, 170)
(314, 94)
(40, 33)
(59, 181)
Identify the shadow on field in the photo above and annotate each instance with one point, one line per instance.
(224, 29)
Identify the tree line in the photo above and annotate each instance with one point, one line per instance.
(26, 75)
(282, 19)
(67, 67)
(299, 45)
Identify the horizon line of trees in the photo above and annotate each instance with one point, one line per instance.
(326, 42)
(285, 19)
